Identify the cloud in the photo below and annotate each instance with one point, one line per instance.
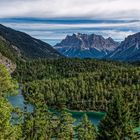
(59, 26)
(52, 20)
(54, 31)
(94, 9)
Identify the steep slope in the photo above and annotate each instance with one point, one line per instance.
(27, 46)
(8, 50)
(83, 45)
(8, 56)
(128, 50)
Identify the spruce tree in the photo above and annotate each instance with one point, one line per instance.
(65, 129)
(118, 123)
(86, 130)
(36, 124)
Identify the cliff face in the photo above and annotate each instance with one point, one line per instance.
(11, 66)
(83, 45)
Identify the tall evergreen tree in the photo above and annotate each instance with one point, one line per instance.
(118, 123)
(7, 84)
(36, 125)
(7, 130)
(86, 130)
(65, 129)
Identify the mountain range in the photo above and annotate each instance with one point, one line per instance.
(16, 45)
(83, 45)
(96, 46)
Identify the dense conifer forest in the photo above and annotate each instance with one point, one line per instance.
(75, 84)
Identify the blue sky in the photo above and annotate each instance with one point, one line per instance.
(52, 20)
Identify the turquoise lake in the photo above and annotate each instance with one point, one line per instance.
(94, 117)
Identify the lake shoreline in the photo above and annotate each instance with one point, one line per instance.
(84, 111)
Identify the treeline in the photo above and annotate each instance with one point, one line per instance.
(62, 68)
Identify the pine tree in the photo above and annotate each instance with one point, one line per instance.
(7, 130)
(86, 130)
(7, 84)
(36, 125)
(65, 129)
(118, 123)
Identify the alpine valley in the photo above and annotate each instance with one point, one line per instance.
(72, 91)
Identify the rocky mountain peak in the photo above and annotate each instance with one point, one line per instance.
(129, 49)
(82, 43)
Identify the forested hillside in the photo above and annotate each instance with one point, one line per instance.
(63, 68)
(7, 50)
(77, 84)
(80, 84)
(24, 45)
(8, 55)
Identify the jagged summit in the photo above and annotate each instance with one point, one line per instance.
(84, 45)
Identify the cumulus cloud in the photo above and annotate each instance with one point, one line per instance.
(96, 9)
